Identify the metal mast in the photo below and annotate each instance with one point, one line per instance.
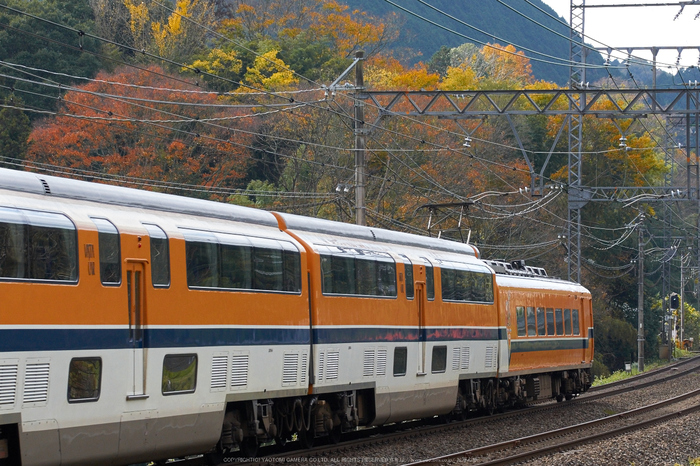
(578, 81)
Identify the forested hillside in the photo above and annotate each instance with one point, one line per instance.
(229, 100)
(451, 23)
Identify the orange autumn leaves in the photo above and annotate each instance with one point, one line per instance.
(133, 130)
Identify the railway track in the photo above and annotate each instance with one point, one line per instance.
(693, 361)
(360, 440)
(525, 448)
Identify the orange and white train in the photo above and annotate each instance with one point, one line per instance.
(141, 326)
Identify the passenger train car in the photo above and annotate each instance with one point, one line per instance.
(140, 326)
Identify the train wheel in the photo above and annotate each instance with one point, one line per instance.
(249, 447)
(280, 441)
(490, 399)
(215, 458)
(335, 434)
(307, 437)
(568, 396)
(560, 398)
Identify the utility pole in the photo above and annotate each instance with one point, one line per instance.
(640, 298)
(577, 72)
(681, 300)
(360, 143)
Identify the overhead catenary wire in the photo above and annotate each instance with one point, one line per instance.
(155, 184)
(637, 60)
(560, 62)
(145, 53)
(487, 141)
(161, 89)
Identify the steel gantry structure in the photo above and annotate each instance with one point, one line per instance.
(574, 105)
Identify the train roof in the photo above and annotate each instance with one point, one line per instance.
(116, 195)
(53, 186)
(348, 230)
(545, 283)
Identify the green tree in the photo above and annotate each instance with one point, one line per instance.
(615, 341)
(14, 133)
(41, 45)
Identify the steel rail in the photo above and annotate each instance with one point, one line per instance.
(415, 429)
(645, 375)
(516, 443)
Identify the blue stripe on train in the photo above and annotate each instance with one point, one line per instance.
(61, 339)
(369, 335)
(524, 346)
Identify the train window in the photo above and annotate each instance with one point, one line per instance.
(201, 255)
(386, 277)
(439, 362)
(179, 373)
(342, 275)
(13, 244)
(531, 323)
(52, 247)
(550, 321)
(236, 263)
(364, 273)
(520, 313)
(232, 262)
(466, 285)
(567, 321)
(366, 276)
(408, 269)
(400, 360)
(268, 270)
(292, 268)
(541, 329)
(37, 246)
(429, 280)
(449, 290)
(559, 321)
(574, 320)
(110, 256)
(160, 256)
(84, 378)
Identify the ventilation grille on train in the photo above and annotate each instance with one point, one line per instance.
(374, 362)
(491, 354)
(368, 364)
(290, 369)
(332, 363)
(381, 362)
(460, 358)
(47, 189)
(304, 368)
(219, 368)
(239, 370)
(455, 359)
(321, 365)
(8, 384)
(36, 383)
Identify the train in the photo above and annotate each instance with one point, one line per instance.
(137, 326)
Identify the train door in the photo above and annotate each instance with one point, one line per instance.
(511, 325)
(586, 312)
(420, 302)
(135, 282)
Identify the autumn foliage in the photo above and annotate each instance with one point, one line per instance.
(133, 130)
(222, 94)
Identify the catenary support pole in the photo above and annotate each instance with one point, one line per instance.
(360, 143)
(640, 299)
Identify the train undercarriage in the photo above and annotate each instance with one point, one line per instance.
(249, 424)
